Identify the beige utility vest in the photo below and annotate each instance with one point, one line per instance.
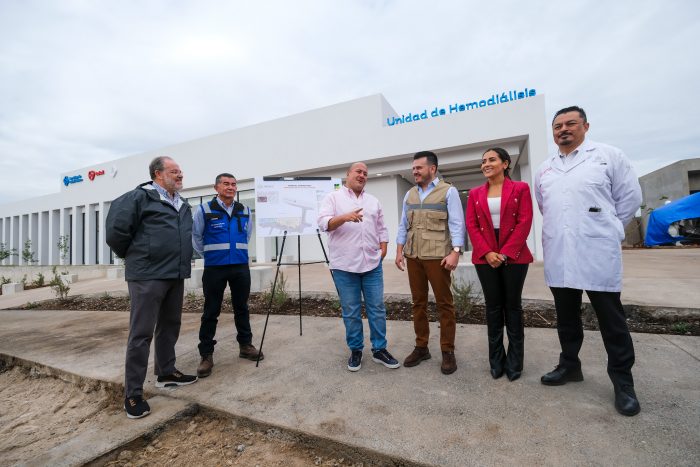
(427, 236)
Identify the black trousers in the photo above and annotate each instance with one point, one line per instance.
(503, 288)
(613, 329)
(214, 281)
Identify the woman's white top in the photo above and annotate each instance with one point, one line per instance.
(495, 210)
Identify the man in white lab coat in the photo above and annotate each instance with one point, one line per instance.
(587, 192)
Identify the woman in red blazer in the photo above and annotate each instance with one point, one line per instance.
(498, 218)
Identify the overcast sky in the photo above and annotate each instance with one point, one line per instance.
(83, 82)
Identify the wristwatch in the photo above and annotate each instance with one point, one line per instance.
(457, 250)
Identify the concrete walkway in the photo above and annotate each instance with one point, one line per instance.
(417, 413)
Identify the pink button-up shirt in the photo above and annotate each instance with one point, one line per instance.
(354, 246)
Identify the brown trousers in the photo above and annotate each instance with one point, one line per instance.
(420, 272)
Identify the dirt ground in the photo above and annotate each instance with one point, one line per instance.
(38, 412)
(213, 440)
(540, 315)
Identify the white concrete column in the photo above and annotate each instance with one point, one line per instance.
(34, 233)
(3, 237)
(90, 234)
(77, 237)
(65, 232)
(261, 250)
(43, 238)
(103, 254)
(15, 238)
(23, 236)
(527, 172)
(53, 233)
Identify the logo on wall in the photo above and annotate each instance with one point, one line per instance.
(113, 171)
(74, 179)
(92, 174)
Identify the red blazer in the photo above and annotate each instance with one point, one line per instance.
(516, 220)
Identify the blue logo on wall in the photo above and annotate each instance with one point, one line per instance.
(74, 179)
(462, 106)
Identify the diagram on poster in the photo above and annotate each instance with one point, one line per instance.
(290, 204)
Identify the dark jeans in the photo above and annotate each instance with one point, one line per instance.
(503, 287)
(156, 306)
(613, 329)
(214, 281)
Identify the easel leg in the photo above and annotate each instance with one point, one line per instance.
(272, 296)
(299, 269)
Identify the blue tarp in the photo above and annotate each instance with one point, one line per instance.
(661, 218)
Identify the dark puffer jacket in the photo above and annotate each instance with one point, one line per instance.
(153, 238)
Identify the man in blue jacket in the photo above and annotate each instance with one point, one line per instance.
(221, 233)
(151, 227)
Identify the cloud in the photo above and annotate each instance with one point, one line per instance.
(84, 82)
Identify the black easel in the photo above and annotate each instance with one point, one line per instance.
(274, 283)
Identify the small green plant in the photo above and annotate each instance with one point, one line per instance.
(105, 295)
(465, 299)
(31, 305)
(681, 327)
(5, 253)
(4, 280)
(278, 296)
(63, 247)
(39, 281)
(191, 295)
(59, 287)
(27, 253)
(335, 303)
(23, 281)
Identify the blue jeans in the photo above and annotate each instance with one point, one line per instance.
(352, 287)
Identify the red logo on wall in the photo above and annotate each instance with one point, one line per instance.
(92, 174)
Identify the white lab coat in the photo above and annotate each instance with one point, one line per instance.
(585, 205)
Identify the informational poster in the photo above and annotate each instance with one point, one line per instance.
(290, 204)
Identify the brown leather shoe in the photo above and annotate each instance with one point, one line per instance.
(205, 366)
(418, 355)
(250, 352)
(449, 363)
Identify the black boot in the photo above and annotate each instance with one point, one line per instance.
(516, 344)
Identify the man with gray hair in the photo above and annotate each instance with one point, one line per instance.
(151, 228)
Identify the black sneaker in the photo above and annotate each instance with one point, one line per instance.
(355, 360)
(136, 407)
(176, 379)
(384, 357)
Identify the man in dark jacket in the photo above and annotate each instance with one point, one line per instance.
(151, 228)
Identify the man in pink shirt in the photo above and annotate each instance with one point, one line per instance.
(357, 240)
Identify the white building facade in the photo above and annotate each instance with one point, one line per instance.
(321, 142)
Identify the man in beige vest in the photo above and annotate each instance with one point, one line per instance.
(431, 238)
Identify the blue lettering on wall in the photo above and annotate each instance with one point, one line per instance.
(74, 179)
(494, 99)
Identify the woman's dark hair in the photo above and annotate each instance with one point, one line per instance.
(504, 156)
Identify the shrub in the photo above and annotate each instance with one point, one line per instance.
(27, 253)
(278, 296)
(39, 281)
(59, 287)
(465, 299)
(5, 253)
(681, 327)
